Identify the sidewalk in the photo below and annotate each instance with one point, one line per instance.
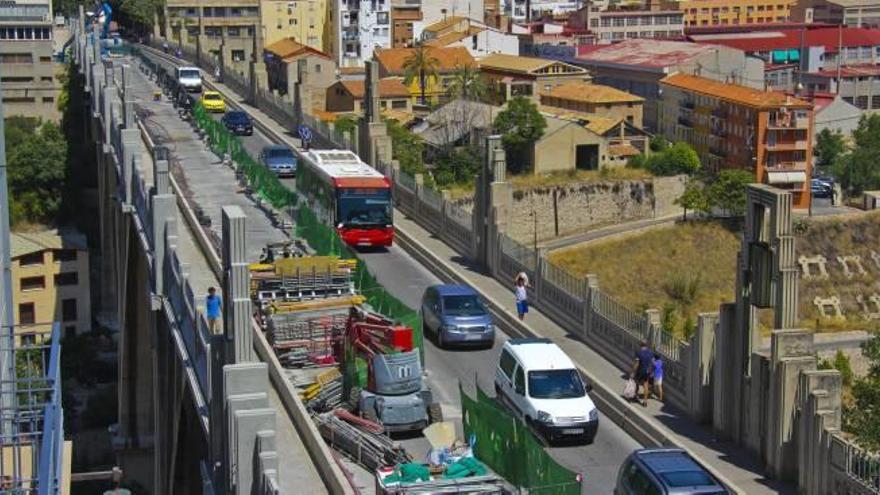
(734, 463)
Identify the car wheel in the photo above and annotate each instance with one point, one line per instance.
(497, 392)
(435, 414)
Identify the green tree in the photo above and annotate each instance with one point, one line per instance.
(460, 166)
(139, 14)
(694, 198)
(407, 148)
(829, 147)
(419, 67)
(859, 170)
(344, 124)
(36, 158)
(468, 84)
(863, 418)
(728, 191)
(520, 125)
(658, 143)
(680, 158)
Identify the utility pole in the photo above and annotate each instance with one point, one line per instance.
(7, 331)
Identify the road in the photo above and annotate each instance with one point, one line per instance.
(406, 279)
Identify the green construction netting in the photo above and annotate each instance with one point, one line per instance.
(506, 445)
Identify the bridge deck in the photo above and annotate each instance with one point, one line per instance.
(211, 185)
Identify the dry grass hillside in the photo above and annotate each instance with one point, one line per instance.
(689, 268)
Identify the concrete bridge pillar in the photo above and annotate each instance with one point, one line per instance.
(236, 288)
(375, 145)
(492, 203)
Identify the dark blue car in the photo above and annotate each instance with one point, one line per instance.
(238, 123)
(279, 159)
(455, 315)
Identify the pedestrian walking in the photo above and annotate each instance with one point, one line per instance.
(522, 303)
(642, 368)
(525, 278)
(657, 376)
(213, 303)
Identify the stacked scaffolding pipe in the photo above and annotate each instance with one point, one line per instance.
(366, 448)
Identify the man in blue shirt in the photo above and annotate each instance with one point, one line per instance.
(212, 304)
(642, 367)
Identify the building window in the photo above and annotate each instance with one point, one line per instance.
(16, 58)
(862, 102)
(67, 278)
(48, 99)
(31, 259)
(27, 315)
(238, 55)
(398, 104)
(64, 255)
(68, 310)
(382, 17)
(33, 283)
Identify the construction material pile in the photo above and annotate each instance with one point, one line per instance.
(301, 279)
(360, 439)
(325, 394)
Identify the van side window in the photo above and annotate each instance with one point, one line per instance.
(507, 363)
(519, 382)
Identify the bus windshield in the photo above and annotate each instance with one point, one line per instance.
(363, 208)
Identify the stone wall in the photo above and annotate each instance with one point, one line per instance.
(581, 206)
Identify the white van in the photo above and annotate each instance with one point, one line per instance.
(543, 386)
(189, 78)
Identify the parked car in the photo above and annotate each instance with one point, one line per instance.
(213, 102)
(543, 387)
(455, 315)
(239, 123)
(665, 471)
(820, 189)
(279, 159)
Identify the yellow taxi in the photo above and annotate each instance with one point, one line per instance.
(213, 102)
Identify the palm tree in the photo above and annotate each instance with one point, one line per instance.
(468, 84)
(421, 64)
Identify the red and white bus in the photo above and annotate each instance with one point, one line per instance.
(352, 195)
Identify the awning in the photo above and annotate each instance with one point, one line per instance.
(786, 177)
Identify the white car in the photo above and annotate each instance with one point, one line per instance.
(543, 387)
(189, 78)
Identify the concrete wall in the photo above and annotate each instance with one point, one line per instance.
(31, 87)
(582, 206)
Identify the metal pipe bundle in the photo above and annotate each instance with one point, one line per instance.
(368, 449)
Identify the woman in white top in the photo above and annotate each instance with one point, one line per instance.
(522, 304)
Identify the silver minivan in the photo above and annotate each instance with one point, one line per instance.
(665, 471)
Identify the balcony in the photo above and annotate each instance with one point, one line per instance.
(406, 4)
(689, 104)
(720, 113)
(788, 120)
(685, 122)
(800, 145)
(789, 166)
(718, 131)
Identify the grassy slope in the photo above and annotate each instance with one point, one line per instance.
(636, 269)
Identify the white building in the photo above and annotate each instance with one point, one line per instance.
(478, 38)
(517, 8)
(363, 26)
(438, 10)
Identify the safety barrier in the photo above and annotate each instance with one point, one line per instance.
(507, 445)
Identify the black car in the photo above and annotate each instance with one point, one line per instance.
(238, 123)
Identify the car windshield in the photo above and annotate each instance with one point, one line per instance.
(237, 117)
(687, 478)
(555, 384)
(463, 306)
(209, 96)
(279, 153)
(189, 73)
(364, 207)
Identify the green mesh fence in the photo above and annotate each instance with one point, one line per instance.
(262, 180)
(506, 445)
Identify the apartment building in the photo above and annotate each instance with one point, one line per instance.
(306, 21)
(29, 73)
(282, 59)
(858, 85)
(595, 99)
(478, 38)
(392, 63)
(527, 10)
(50, 280)
(637, 66)
(615, 25)
(735, 12)
(737, 127)
(364, 25)
(404, 14)
(238, 20)
(853, 13)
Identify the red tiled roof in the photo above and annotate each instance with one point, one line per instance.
(643, 53)
(766, 41)
(735, 93)
(743, 28)
(851, 71)
(388, 88)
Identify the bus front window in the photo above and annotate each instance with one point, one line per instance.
(364, 208)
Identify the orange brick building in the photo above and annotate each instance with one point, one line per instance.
(736, 127)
